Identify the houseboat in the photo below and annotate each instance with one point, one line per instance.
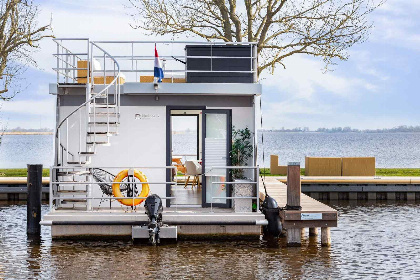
(116, 173)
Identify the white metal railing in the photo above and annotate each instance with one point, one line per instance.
(60, 171)
(253, 181)
(67, 60)
(136, 58)
(57, 172)
(87, 125)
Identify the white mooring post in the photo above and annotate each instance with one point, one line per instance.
(325, 236)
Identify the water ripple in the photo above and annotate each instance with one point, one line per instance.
(373, 240)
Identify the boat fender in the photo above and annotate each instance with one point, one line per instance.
(271, 211)
(116, 190)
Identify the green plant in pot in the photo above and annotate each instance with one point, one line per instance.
(241, 150)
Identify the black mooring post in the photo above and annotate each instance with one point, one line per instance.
(33, 215)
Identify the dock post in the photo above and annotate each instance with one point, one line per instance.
(294, 235)
(313, 231)
(293, 185)
(325, 236)
(33, 214)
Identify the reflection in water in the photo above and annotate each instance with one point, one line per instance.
(372, 240)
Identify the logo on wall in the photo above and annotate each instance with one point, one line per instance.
(146, 116)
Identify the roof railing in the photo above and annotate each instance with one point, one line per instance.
(137, 65)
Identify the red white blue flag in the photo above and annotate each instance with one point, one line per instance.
(158, 67)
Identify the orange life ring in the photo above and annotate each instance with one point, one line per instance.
(116, 190)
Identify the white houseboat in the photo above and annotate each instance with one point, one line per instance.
(114, 138)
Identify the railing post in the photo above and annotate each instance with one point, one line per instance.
(257, 180)
(67, 71)
(51, 192)
(58, 62)
(33, 214)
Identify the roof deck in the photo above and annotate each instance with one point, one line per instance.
(183, 62)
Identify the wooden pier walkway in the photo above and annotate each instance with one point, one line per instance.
(313, 214)
(15, 188)
(360, 188)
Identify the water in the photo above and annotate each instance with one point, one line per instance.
(373, 240)
(16, 151)
(390, 149)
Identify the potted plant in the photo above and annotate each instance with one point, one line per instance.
(242, 150)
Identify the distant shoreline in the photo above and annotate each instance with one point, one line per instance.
(28, 133)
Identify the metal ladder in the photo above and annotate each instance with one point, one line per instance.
(95, 121)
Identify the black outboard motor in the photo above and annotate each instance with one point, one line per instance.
(271, 211)
(154, 208)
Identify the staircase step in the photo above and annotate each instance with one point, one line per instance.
(98, 143)
(77, 162)
(72, 191)
(73, 201)
(71, 173)
(103, 114)
(87, 153)
(104, 123)
(72, 182)
(103, 105)
(102, 133)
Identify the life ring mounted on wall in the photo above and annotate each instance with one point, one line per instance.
(116, 190)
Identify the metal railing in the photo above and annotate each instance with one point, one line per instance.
(58, 172)
(71, 171)
(87, 125)
(134, 61)
(252, 181)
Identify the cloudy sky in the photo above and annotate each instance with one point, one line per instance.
(376, 88)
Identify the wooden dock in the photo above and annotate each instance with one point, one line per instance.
(15, 188)
(313, 214)
(360, 188)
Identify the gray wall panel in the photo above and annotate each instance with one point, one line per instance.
(167, 100)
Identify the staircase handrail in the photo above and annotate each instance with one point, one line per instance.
(96, 95)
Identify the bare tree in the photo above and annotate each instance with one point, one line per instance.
(321, 28)
(19, 37)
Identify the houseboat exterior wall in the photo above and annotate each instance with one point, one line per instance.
(142, 134)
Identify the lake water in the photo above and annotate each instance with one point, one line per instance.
(372, 241)
(390, 149)
(16, 151)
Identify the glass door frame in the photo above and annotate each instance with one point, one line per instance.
(169, 144)
(228, 112)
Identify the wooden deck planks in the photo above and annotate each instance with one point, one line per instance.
(292, 218)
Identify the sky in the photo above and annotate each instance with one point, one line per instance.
(377, 87)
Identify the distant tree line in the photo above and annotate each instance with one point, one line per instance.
(20, 129)
(401, 128)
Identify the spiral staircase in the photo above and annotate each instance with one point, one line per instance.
(96, 121)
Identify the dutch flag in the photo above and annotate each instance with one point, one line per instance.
(158, 67)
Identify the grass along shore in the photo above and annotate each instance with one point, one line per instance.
(400, 172)
(20, 172)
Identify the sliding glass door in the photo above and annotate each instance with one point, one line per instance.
(217, 142)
